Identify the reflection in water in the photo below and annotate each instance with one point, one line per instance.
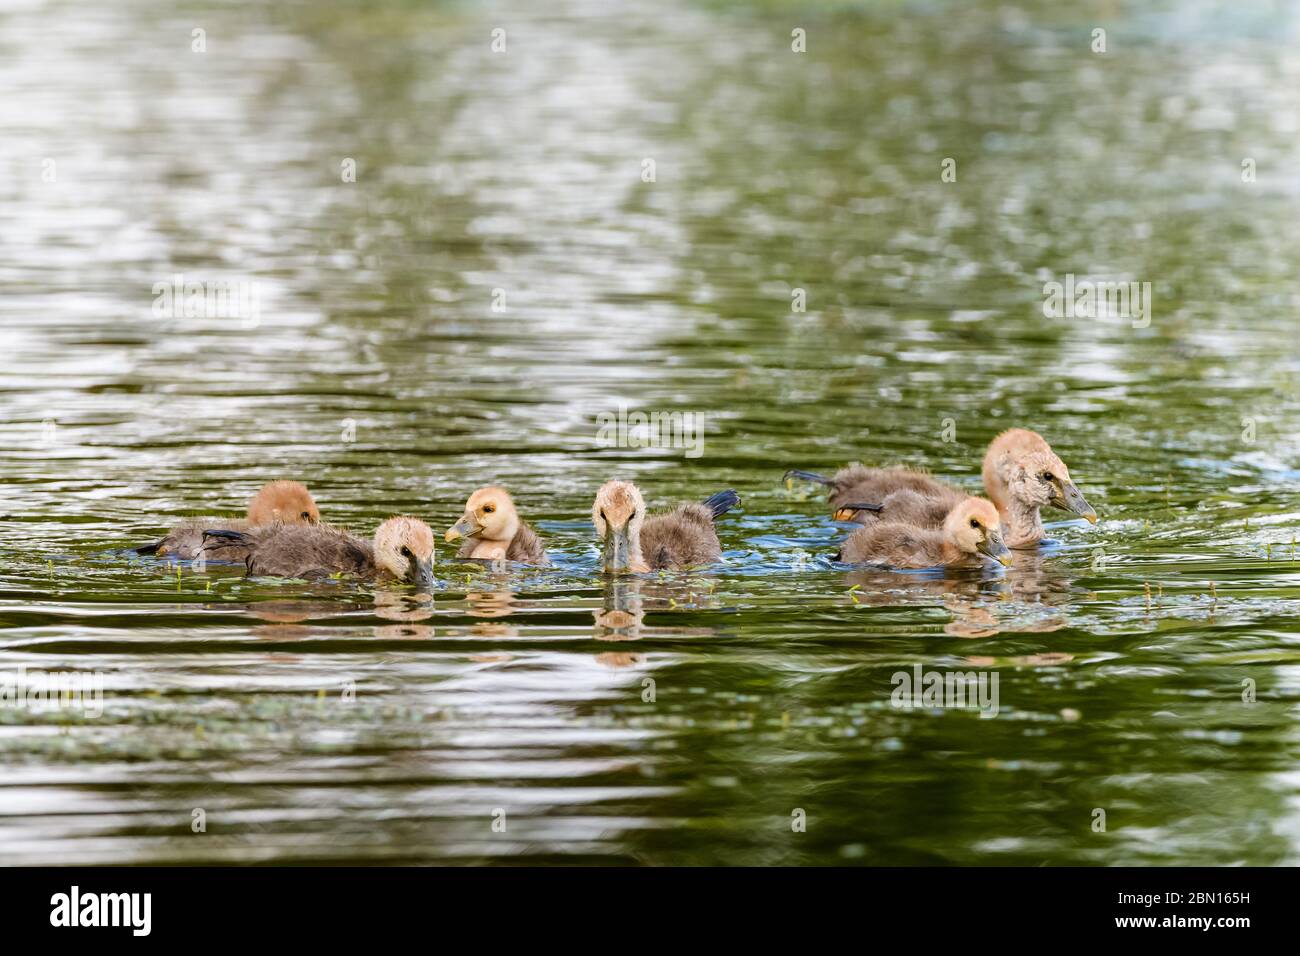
(404, 632)
(290, 611)
(1032, 596)
(408, 610)
(622, 613)
(627, 598)
(398, 606)
(1021, 660)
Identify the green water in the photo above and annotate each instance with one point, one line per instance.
(379, 373)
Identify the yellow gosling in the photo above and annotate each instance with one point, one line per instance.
(492, 530)
(632, 541)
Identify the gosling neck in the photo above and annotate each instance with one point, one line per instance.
(995, 479)
(953, 556)
(1024, 524)
(635, 562)
(505, 535)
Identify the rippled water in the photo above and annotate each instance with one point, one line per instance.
(499, 275)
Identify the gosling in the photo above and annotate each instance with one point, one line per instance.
(683, 538)
(279, 501)
(493, 531)
(402, 550)
(1022, 475)
(972, 530)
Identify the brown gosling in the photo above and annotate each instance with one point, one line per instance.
(683, 538)
(493, 531)
(402, 550)
(1022, 475)
(279, 501)
(971, 530)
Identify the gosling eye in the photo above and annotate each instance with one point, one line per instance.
(974, 522)
(602, 515)
(406, 553)
(306, 516)
(488, 509)
(1048, 476)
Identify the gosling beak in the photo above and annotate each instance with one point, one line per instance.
(995, 548)
(850, 512)
(466, 527)
(420, 573)
(617, 548)
(1069, 498)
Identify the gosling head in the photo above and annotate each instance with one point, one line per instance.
(490, 515)
(1040, 478)
(404, 548)
(975, 526)
(286, 501)
(618, 513)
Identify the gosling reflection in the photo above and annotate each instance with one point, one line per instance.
(403, 632)
(1038, 578)
(880, 588)
(625, 602)
(284, 619)
(980, 620)
(406, 611)
(404, 608)
(622, 614)
(1031, 596)
(486, 629)
(620, 658)
(1047, 659)
(290, 612)
(288, 620)
(490, 604)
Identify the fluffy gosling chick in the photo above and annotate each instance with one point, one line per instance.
(278, 501)
(861, 489)
(683, 538)
(493, 531)
(1021, 476)
(971, 529)
(402, 550)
